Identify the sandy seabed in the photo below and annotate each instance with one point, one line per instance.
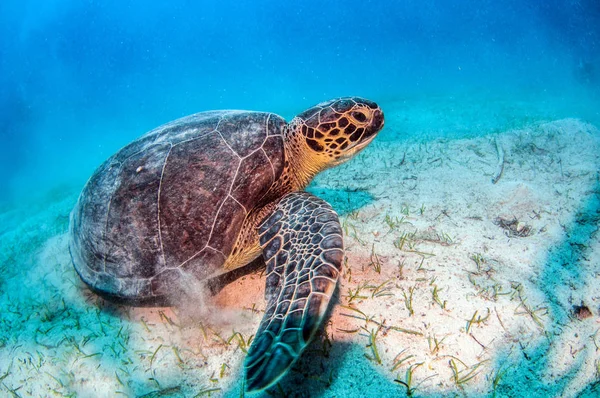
(473, 269)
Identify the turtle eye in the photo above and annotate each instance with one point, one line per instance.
(359, 116)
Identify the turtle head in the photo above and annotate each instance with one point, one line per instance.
(334, 131)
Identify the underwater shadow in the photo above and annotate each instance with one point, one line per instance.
(343, 201)
(327, 368)
(564, 268)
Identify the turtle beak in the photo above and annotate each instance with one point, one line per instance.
(376, 125)
(371, 131)
(378, 119)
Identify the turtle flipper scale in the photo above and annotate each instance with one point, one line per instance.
(303, 249)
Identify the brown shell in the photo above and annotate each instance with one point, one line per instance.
(170, 204)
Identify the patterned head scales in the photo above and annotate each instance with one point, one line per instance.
(340, 128)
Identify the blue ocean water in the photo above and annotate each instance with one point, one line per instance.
(82, 78)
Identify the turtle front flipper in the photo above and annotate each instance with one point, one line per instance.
(303, 249)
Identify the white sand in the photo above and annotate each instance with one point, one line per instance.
(502, 316)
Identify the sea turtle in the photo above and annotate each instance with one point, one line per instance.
(209, 193)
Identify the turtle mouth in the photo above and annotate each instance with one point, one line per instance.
(364, 143)
(354, 151)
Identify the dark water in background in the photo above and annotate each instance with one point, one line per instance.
(79, 79)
